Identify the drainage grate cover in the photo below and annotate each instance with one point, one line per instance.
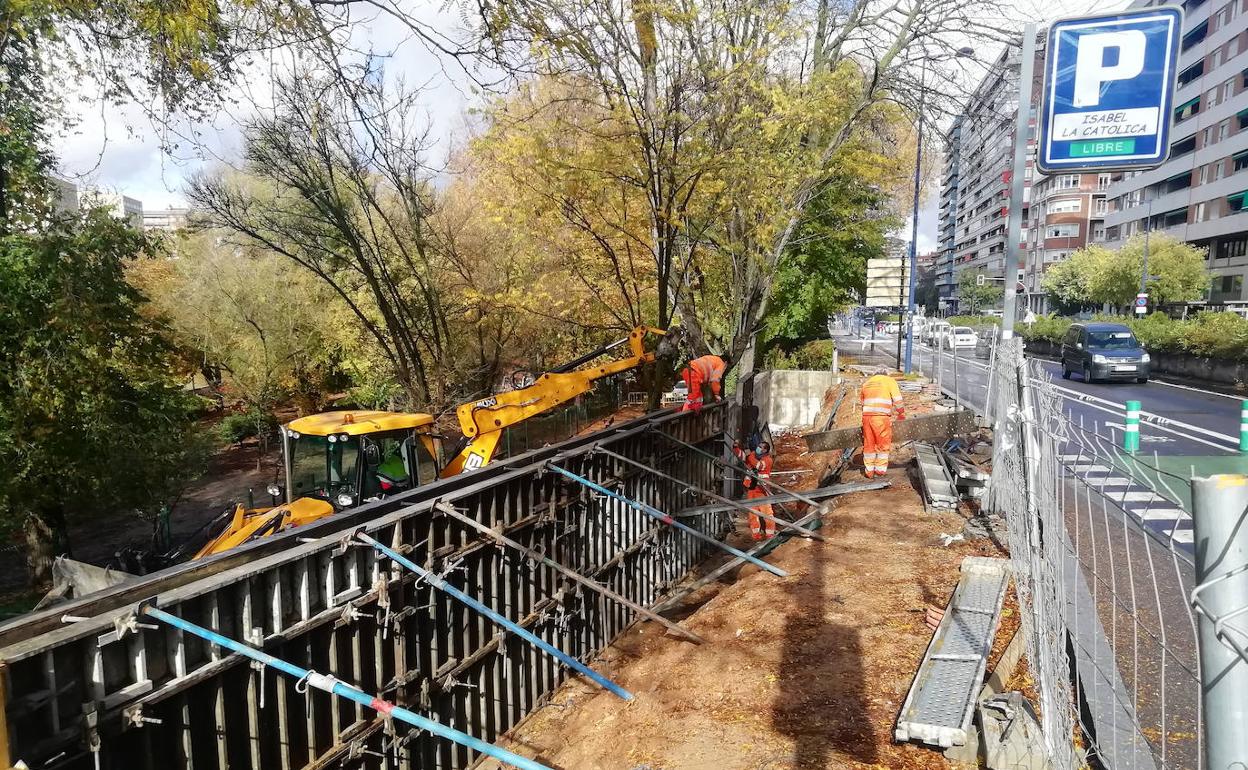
(941, 701)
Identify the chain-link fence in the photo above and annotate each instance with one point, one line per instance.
(1102, 551)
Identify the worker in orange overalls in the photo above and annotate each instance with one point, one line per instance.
(881, 401)
(706, 371)
(759, 462)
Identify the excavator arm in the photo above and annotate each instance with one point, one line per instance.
(482, 422)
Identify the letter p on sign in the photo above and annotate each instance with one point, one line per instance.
(1091, 72)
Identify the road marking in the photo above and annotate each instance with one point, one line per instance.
(1182, 536)
(1138, 497)
(1197, 390)
(1161, 514)
(1149, 418)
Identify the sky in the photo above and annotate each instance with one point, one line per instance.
(119, 149)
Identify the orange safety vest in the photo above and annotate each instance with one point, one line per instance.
(708, 369)
(761, 466)
(880, 395)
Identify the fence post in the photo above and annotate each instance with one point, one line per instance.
(1243, 426)
(1221, 539)
(1131, 432)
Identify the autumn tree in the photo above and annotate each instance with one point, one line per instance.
(974, 296)
(1098, 275)
(731, 115)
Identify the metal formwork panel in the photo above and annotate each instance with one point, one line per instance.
(91, 693)
(941, 701)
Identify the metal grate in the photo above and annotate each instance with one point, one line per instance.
(941, 701)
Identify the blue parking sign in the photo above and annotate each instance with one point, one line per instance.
(1109, 91)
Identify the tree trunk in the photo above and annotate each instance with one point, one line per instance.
(40, 551)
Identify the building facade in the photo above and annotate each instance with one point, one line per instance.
(1200, 195)
(975, 191)
(167, 220)
(1067, 212)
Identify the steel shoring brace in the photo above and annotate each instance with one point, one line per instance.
(666, 519)
(570, 573)
(727, 466)
(329, 684)
(440, 584)
(718, 498)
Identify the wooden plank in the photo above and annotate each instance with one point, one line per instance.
(929, 427)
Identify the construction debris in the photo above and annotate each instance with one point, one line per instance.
(932, 427)
(939, 490)
(969, 477)
(941, 703)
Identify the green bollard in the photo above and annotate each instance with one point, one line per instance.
(1243, 426)
(1131, 435)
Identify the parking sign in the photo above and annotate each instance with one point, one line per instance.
(1109, 91)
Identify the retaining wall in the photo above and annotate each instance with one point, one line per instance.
(788, 399)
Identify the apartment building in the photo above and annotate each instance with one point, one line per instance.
(1067, 212)
(975, 190)
(167, 220)
(1200, 195)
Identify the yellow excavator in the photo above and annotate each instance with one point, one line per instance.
(337, 460)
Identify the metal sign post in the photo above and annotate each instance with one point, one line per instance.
(1109, 91)
(1022, 132)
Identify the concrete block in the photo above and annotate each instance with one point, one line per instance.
(791, 399)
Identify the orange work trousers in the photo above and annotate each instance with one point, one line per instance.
(757, 522)
(877, 441)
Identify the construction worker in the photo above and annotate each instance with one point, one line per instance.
(759, 462)
(704, 373)
(881, 401)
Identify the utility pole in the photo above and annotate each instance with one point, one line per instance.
(1022, 132)
(914, 229)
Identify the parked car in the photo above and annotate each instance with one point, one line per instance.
(934, 331)
(1103, 351)
(891, 327)
(959, 337)
(678, 394)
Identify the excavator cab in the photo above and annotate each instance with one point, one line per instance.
(346, 458)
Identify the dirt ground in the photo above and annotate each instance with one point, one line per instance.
(807, 671)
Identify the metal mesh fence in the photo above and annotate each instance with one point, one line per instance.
(1102, 581)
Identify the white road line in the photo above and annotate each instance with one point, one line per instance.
(1147, 418)
(1183, 536)
(1138, 497)
(1162, 514)
(1092, 468)
(1197, 390)
(1114, 481)
(1118, 413)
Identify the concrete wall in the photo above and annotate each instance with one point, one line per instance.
(790, 399)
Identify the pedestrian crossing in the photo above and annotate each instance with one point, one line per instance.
(1154, 511)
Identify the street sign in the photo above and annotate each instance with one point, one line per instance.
(1141, 304)
(1109, 91)
(886, 282)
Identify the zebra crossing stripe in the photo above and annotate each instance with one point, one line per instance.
(1137, 497)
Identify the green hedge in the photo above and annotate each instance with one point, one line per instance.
(814, 356)
(1216, 335)
(973, 321)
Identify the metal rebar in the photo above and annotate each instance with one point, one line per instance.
(655, 513)
(440, 584)
(329, 684)
(568, 572)
(748, 473)
(718, 498)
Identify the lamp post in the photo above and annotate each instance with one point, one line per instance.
(964, 53)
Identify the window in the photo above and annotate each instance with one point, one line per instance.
(1065, 206)
(1183, 147)
(1102, 181)
(1241, 118)
(1062, 231)
(1066, 182)
(1102, 206)
(1235, 248)
(1172, 218)
(1191, 5)
(1192, 72)
(1223, 288)
(1098, 232)
(1239, 162)
(1216, 171)
(1224, 128)
(1177, 182)
(1196, 35)
(1200, 213)
(1237, 202)
(1192, 107)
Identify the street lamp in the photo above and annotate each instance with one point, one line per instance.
(965, 52)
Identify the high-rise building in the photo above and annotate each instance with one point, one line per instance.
(1200, 195)
(975, 194)
(1067, 212)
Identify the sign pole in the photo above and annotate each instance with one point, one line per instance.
(1022, 131)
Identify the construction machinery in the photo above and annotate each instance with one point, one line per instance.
(337, 460)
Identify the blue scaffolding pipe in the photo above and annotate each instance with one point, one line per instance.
(666, 519)
(440, 584)
(329, 684)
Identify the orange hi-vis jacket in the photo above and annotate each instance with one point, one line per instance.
(880, 395)
(708, 369)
